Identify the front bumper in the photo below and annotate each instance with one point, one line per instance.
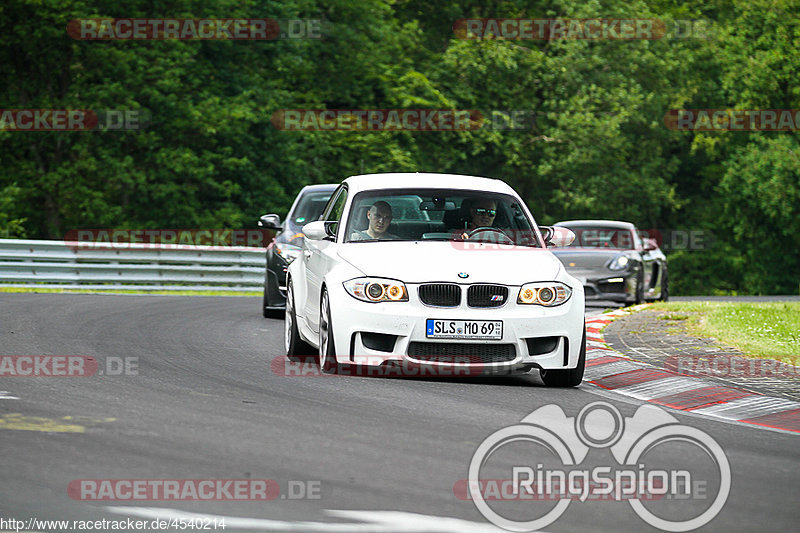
(533, 336)
(614, 287)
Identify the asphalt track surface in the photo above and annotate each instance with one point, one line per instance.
(205, 403)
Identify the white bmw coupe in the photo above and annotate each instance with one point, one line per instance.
(438, 270)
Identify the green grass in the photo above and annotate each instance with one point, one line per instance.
(128, 291)
(764, 330)
(673, 317)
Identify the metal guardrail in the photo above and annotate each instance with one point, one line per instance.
(67, 264)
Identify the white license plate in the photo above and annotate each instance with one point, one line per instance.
(464, 329)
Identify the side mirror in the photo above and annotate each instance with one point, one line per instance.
(270, 221)
(557, 236)
(650, 244)
(315, 231)
(331, 227)
(547, 233)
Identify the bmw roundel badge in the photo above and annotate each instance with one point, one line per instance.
(463, 275)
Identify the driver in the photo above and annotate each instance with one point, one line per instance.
(482, 212)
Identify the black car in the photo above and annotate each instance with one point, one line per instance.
(307, 207)
(614, 261)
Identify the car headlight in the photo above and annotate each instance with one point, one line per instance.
(376, 290)
(289, 252)
(547, 294)
(620, 262)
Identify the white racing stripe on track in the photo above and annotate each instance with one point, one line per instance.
(5, 395)
(366, 521)
(596, 345)
(750, 407)
(609, 369)
(661, 387)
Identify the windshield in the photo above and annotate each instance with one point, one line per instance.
(309, 208)
(439, 214)
(602, 237)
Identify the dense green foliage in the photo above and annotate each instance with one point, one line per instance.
(599, 149)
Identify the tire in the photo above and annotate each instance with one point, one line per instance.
(571, 377)
(327, 351)
(296, 348)
(665, 287)
(639, 297)
(267, 311)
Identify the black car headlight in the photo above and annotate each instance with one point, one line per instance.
(289, 252)
(547, 294)
(621, 262)
(376, 290)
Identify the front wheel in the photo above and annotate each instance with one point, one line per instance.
(266, 309)
(664, 287)
(639, 297)
(296, 348)
(570, 377)
(327, 351)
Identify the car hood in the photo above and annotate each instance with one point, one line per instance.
(418, 262)
(586, 258)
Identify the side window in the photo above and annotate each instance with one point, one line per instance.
(336, 206)
(638, 237)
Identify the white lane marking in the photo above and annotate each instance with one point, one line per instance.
(597, 345)
(609, 369)
(749, 407)
(660, 388)
(5, 395)
(368, 521)
(597, 354)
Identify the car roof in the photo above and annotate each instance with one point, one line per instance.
(606, 223)
(425, 180)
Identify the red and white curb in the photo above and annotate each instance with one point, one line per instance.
(614, 371)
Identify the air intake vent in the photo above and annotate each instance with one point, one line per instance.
(440, 294)
(462, 352)
(487, 295)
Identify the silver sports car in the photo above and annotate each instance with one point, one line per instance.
(614, 261)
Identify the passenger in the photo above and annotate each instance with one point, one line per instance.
(380, 217)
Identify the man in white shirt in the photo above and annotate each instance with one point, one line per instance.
(380, 217)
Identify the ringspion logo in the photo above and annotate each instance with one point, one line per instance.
(518, 471)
